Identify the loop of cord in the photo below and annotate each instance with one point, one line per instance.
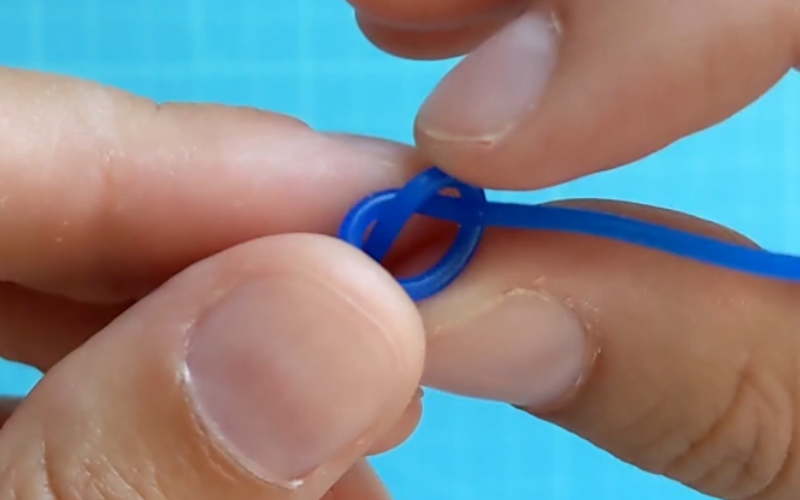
(374, 223)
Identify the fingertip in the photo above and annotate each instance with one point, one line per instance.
(342, 358)
(401, 430)
(606, 84)
(447, 14)
(374, 291)
(431, 43)
(468, 118)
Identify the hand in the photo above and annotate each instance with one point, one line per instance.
(682, 369)
(267, 367)
(571, 87)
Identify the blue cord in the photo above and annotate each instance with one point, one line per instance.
(374, 223)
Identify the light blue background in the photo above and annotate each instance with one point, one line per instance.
(306, 58)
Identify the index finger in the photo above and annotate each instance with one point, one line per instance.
(105, 194)
(682, 369)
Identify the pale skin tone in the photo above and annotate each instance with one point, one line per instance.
(273, 360)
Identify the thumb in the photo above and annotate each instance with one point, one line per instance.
(588, 85)
(685, 370)
(264, 372)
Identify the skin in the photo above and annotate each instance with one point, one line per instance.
(127, 226)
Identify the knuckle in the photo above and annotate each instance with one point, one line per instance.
(742, 450)
(111, 126)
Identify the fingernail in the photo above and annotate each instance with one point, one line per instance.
(275, 378)
(495, 86)
(523, 348)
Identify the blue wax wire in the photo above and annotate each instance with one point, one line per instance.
(374, 224)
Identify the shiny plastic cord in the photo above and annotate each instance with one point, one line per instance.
(374, 223)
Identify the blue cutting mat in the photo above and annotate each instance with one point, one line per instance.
(306, 58)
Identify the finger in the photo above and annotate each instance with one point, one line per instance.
(589, 85)
(8, 406)
(402, 429)
(359, 483)
(105, 195)
(42, 340)
(266, 371)
(682, 369)
(447, 14)
(39, 329)
(28, 336)
(430, 44)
